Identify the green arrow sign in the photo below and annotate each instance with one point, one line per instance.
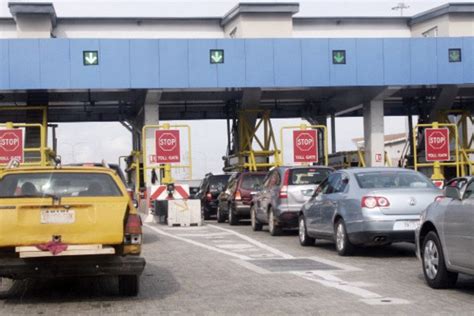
(454, 55)
(338, 57)
(216, 56)
(90, 57)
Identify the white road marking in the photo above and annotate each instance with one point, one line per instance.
(336, 264)
(256, 243)
(325, 278)
(236, 246)
(205, 235)
(196, 243)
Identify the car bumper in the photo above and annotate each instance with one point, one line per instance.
(288, 219)
(378, 232)
(74, 266)
(241, 209)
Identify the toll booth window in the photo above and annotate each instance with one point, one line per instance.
(369, 180)
(58, 185)
(252, 181)
(308, 176)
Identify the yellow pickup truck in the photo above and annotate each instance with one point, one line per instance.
(68, 222)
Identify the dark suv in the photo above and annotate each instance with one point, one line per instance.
(211, 186)
(234, 201)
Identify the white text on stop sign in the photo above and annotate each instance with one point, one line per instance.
(167, 141)
(304, 141)
(9, 141)
(436, 140)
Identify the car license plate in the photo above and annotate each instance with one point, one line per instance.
(307, 192)
(58, 216)
(405, 225)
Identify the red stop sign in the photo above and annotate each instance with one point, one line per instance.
(305, 146)
(11, 145)
(437, 144)
(167, 146)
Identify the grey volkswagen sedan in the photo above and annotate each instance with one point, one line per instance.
(445, 238)
(366, 206)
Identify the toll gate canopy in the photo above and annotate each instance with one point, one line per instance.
(108, 79)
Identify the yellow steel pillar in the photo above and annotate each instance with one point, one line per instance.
(437, 173)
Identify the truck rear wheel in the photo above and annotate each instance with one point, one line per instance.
(128, 285)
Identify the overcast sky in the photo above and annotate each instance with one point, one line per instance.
(217, 8)
(97, 141)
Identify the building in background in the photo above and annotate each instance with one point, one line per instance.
(395, 146)
(102, 19)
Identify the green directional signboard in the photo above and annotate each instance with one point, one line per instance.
(454, 55)
(90, 57)
(338, 57)
(216, 56)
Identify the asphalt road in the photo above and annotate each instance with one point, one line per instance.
(219, 269)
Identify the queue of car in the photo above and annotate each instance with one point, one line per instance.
(360, 207)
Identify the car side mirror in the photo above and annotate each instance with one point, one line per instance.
(453, 193)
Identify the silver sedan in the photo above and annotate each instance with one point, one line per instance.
(445, 238)
(366, 206)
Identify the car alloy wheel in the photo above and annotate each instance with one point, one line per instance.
(343, 244)
(272, 227)
(434, 266)
(305, 240)
(302, 231)
(340, 237)
(431, 259)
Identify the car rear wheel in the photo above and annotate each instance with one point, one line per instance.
(273, 227)
(434, 267)
(256, 226)
(233, 219)
(128, 285)
(305, 240)
(220, 216)
(343, 245)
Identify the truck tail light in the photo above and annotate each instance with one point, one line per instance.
(133, 230)
(284, 188)
(374, 201)
(238, 195)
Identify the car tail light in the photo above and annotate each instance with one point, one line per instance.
(374, 201)
(238, 196)
(133, 230)
(284, 188)
(209, 196)
(439, 198)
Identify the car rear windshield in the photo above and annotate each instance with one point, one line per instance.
(384, 179)
(58, 185)
(218, 182)
(302, 176)
(252, 181)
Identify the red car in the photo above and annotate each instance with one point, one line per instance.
(234, 202)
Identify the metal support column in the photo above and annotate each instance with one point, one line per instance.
(374, 133)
